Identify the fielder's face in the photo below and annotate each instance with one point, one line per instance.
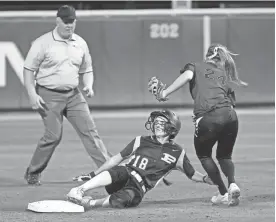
(159, 126)
(66, 28)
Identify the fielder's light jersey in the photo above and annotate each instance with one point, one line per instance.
(56, 62)
(209, 87)
(153, 160)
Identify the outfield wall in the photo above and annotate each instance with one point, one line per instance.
(128, 50)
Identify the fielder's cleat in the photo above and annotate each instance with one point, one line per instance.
(234, 195)
(84, 177)
(75, 195)
(220, 199)
(32, 178)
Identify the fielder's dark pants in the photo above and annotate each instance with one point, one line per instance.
(74, 107)
(221, 126)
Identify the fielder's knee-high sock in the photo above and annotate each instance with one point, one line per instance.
(228, 168)
(213, 171)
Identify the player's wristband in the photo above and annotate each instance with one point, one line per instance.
(92, 174)
(204, 177)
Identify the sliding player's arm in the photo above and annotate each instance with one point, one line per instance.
(113, 161)
(183, 164)
(118, 158)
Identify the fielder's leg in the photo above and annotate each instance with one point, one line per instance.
(79, 116)
(204, 140)
(225, 147)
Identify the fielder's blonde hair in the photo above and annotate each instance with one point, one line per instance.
(220, 54)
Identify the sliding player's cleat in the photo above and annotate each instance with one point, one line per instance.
(75, 195)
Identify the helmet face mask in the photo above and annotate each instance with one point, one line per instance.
(171, 126)
(159, 126)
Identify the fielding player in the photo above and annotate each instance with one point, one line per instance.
(150, 159)
(214, 116)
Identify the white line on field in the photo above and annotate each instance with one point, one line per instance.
(15, 116)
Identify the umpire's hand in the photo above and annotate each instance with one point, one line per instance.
(88, 91)
(37, 103)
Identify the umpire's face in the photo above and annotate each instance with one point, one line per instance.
(66, 28)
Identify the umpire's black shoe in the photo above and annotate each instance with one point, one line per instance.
(32, 178)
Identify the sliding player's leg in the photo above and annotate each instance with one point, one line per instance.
(114, 178)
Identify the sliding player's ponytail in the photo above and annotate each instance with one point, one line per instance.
(219, 53)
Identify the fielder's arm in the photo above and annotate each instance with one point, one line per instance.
(232, 96)
(186, 75)
(179, 82)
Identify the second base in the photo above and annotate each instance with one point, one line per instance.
(58, 206)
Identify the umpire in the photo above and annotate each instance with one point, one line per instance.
(55, 61)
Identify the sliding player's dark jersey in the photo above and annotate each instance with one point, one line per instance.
(153, 160)
(209, 87)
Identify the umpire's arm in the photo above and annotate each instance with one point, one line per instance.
(183, 164)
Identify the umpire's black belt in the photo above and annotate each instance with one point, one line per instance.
(57, 90)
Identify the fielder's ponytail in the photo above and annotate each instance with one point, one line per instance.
(231, 69)
(224, 56)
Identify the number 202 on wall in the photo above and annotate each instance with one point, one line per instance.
(164, 31)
